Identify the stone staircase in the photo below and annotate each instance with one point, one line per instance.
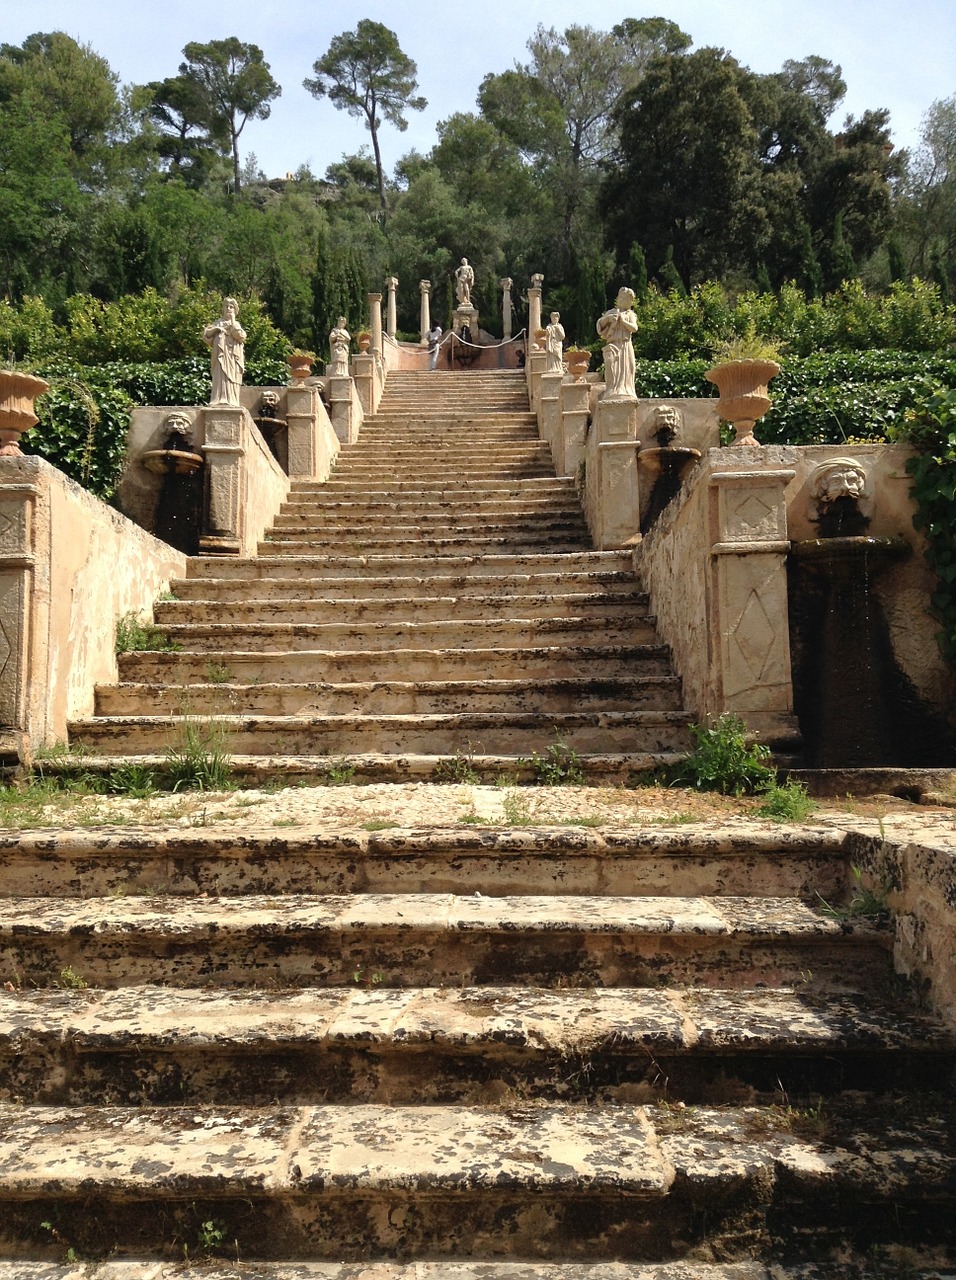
(436, 599)
(450, 1052)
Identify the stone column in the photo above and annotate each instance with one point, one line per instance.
(506, 308)
(375, 318)
(747, 599)
(18, 501)
(301, 417)
(568, 447)
(345, 408)
(613, 447)
(425, 288)
(222, 499)
(391, 321)
(534, 307)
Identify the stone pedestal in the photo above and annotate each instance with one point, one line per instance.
(362, 374)
(569, 445)
(222, 520)
(535, 363)
(301, 417)
(616, 518)
(549, 407)
(344, 421)
(466, 315)
(747, 597)
(17, 570)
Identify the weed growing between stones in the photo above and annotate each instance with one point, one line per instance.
(866, 902)
(70, 980)
(516, 810)
(786, 803)
(134, 635)
(723, 760)
(559, 766)
(200, 762)
(458, 768)
(339, 773)
(218, 673)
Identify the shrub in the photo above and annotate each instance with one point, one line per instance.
(723, 760)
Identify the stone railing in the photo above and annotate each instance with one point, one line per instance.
(69, 567)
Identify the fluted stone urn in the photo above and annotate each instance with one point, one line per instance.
(577, 361)
(17, 394)
(743, 394)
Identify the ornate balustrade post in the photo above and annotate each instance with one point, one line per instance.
(223, 449)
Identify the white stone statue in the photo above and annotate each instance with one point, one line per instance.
(339, 342)
(617, 327)
(227, 339)
(554, 344)
(464, 281)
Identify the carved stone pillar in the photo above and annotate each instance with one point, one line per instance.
(549, 406)
(534, 307)
(18, 503)
(747, 525)
(617, 516)
(535, 362)
(391, 316)
(506, 307)
(301, 417)
(425, 288)
(222, 505)
(375, 324)
(569, 446)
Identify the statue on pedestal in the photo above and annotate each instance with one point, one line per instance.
(554, 344)
(617, 327)
(464, 282)
(339, 342)
(227, 339)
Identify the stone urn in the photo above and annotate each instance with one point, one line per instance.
(300, 365)
(364, 340)
(743, 394)
(540, 338)
(577, 361)
(17, 394)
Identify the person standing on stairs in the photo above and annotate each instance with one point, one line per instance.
(434, 346)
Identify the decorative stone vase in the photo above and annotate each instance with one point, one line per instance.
(364, 340)
(577, 361)
(540, 338)
(17, 394)
(743, 394)
(300, 367)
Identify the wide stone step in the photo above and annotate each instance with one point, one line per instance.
(434, 499)
(502, 732)
(366, 664)
(415, 608)
(407, 522)
(466, 633)
(467, 452)
(388, 566)
(145, 1269)
(550, 697)
(736, 859)
(503, 422)
(434, 939)
(364, 472)
(453, 484)
(364, 542)
(612, 584)
(435, 1045)
(458, 509)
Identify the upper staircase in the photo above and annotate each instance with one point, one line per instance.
(437, 597)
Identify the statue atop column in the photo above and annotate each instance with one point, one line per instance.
(617, 327)
(227, 339)
(339, 342)
(464, 283)
(554, 344)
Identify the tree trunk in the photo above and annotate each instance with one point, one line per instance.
(373, 129)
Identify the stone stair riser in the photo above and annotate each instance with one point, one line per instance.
(612, 732)
(506, 588)
(381, 698)
(391, 566)
(408, 664)
(417, 608)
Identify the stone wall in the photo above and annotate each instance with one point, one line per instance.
(69, 567)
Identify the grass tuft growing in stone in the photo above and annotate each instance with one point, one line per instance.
(200, 761)
(723, 760)
(786, 803)
(133, 635)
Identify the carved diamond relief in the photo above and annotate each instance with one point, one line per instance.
(750, 519)
(754, 635)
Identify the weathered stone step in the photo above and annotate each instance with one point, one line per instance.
(470, 453)
(636, 693)
(505, 586)
(507, 420)
(388, 566)
(737, 859)
(545, 1181)
(147, 1269)
(450, 484)
(433, 939)
(368, 472)
(457, 509)
(417, 607)
(372, 543)
(368, 664)
(435, 1045)
(429, 518)
(593, 732)
(483, 633)
(434, 499)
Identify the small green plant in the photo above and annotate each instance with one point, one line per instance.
(218, 673)
(866, 901)
(339, 773)
(786, 803)
(459, 768)
(200, 761)
(378, 824)
(133, 780)
(211, 1235)
(516, 810)
(748, 345)
(133, 635)
(361, 977)
(723, 760)
(70, 980)
(559, 766)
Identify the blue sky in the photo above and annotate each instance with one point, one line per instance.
(895, 55)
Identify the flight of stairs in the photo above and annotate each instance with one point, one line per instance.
(436, 599)
(471, 1052)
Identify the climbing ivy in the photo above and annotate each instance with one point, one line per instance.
(931, 428)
